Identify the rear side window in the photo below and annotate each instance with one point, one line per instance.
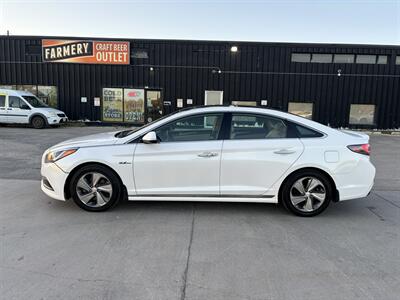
(247, 126)
(304, 132)
(2, 101)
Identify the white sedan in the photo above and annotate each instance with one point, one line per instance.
(235, 154)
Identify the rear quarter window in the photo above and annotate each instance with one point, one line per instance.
(304, 132)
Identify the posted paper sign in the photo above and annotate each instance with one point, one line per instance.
(96, 101)
(179, 102)
(83, 99)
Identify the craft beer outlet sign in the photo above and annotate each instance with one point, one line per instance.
(86, 52)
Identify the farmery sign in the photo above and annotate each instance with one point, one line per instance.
(86, 52)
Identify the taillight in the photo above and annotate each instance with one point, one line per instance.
(361, 149)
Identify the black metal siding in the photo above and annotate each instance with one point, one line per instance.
(184, 69)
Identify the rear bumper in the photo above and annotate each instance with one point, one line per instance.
(358, 183)
(53, 181)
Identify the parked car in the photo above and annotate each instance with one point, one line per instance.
(25, 108)
(236, 154)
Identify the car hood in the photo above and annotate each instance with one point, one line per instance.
(99, 139)
(49, 110)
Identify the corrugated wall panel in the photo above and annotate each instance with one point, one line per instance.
(246, 75)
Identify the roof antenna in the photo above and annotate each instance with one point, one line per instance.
(8, 32)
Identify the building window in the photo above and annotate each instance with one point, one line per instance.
(301, 57)
(362, 114)
(213, 98)
(28, 88)
(33, 49)
(343, 58)
(398, 60)
(47, 93)
(244, 103)
(112, 104)
(123, 105)
(8, 87)
(366, 59)
(302, 109)
(139, 53)
(382, 60)
(321, 58)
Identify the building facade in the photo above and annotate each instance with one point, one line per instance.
(136, 81)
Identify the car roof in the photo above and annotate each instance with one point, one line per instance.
(15, 92)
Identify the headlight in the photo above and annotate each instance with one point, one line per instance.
(53, 156)
(53, 114)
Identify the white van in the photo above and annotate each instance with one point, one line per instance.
(25, 108)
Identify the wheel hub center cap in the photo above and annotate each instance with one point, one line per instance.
(308, 194)
(94, 190)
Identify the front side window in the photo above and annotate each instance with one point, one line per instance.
(247, 126)
(35, 102)
(14, 102)
(194, 128)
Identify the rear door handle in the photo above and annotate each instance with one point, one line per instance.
(207, 154)
(284, 151)
(9, 108)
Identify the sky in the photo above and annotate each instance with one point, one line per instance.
(325, 21)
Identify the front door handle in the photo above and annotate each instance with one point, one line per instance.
(9, 108)
(207, 154)
(284, 151)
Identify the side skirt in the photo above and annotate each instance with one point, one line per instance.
(205, 198)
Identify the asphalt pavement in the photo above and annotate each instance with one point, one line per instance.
(183, 250)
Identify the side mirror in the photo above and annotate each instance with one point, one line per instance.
(150, 138)
(24, 106)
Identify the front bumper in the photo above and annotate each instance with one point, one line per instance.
(56, 120)
(53, 181)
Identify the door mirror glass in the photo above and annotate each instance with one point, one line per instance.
(150, 138)
(25, 106)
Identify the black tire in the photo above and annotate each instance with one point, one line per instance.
(117, 188)
(302, 176)
(38, 122)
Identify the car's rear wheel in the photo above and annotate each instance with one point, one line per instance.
(307, 193)
(38, 122)
(95, 188)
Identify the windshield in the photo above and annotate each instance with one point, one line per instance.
(34, 101)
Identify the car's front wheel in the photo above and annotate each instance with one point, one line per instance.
(38, 122)
(307, 193)
(95, 188)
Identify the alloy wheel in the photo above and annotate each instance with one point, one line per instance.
(307, 194)
(94, 189)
